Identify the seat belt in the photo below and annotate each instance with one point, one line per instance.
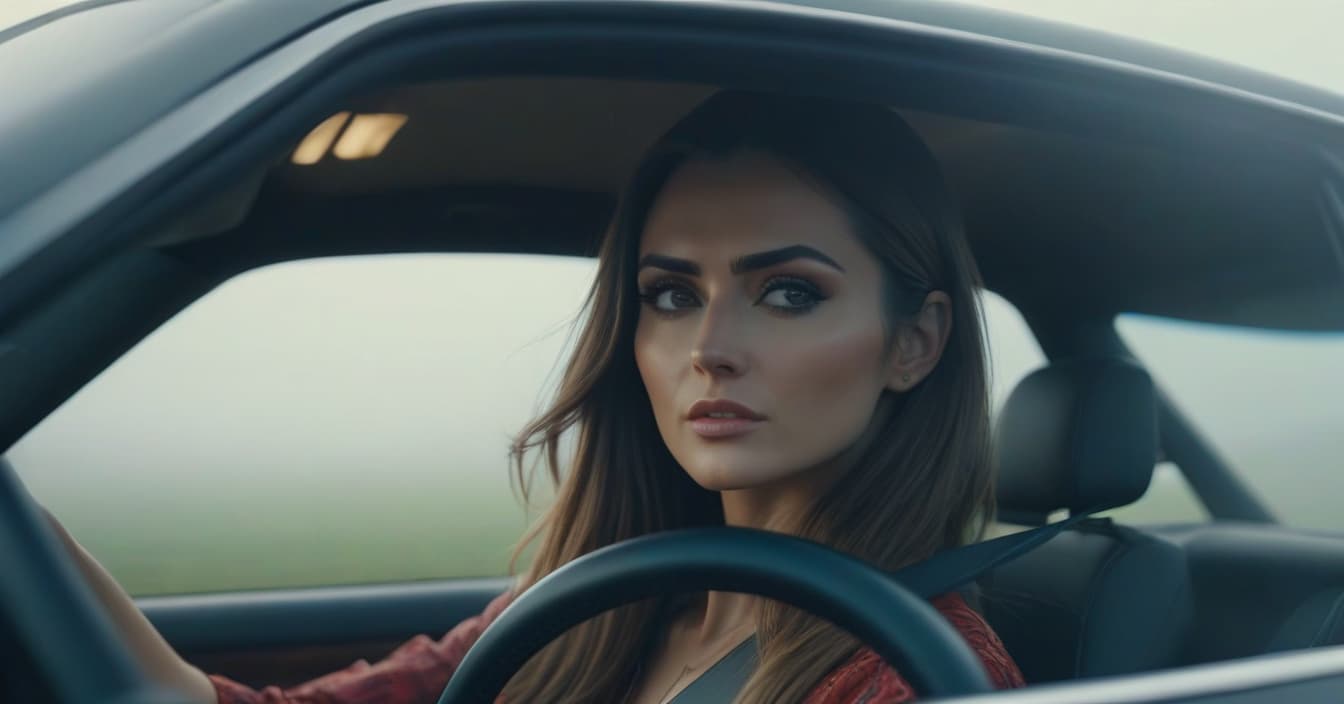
(933, 577)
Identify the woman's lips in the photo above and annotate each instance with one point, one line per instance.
(720, 418)
(723, 427)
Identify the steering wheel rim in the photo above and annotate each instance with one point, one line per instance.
(902, 628)
(53, 612)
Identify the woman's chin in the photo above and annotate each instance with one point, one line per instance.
(732, 478)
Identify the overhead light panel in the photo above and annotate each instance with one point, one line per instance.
(316, 144)
(368, 135)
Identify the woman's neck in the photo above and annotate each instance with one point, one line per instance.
(722, 615)
(719, 618)
(779, 506)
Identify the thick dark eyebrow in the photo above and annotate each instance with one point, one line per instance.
(680, 266)
(762, 260)
(743, 264)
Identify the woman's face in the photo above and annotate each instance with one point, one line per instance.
(761, 338)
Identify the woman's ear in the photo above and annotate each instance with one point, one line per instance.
(919, 343)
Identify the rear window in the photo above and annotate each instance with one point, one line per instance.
(1271, 403)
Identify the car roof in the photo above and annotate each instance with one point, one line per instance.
(153, 55)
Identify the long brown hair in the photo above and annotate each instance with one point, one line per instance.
(919, 482)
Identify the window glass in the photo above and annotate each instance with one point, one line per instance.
(1013, 352)
(322, 422)
(1169, 499)
(335, 421)
(1270, 402)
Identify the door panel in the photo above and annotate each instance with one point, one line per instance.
(287, 667)
(290, 636)
(1251, 580)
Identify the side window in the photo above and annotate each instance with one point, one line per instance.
(322, 422)
(1271, 402)
(1012, 349)
(1169, 499)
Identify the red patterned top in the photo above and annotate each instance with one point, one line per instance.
(416, 672)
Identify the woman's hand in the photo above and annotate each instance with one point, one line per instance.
(161, 663)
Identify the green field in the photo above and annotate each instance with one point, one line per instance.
(247, 540)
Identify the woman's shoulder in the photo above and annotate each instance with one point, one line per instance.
(865, 677)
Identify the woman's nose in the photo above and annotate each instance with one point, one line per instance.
(718, 349)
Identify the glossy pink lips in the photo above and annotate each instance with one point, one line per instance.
(722, 419)
(723, 428)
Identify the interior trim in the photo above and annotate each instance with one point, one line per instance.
(303, 617)
(1217, 682)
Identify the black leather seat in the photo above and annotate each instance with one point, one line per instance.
(1100, 598)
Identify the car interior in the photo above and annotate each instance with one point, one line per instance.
(1074, 215)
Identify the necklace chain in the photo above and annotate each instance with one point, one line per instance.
(662, 698)
(715, 655)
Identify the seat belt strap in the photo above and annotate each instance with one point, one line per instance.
(933, 577)
(950, 569)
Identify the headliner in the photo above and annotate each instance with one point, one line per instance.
(1100, 224)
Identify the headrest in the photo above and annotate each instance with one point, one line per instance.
(1080, 434)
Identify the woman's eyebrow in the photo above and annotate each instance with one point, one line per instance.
(680, 266)
(762, 260)
(743, 264)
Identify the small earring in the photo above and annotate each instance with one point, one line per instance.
(905, 378)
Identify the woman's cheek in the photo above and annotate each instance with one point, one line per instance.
(657, 358)
(831, 382)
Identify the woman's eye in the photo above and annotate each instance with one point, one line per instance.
(791, 296)
(671, 299)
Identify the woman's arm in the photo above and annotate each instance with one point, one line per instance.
(415, 672)
(161, 663)
(866, 679)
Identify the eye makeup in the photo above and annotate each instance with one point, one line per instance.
(669, 296)
(781, 294)
(790, 295)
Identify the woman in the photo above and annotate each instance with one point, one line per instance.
(783, 334)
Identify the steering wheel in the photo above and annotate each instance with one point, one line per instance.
(54, 616)
(902, 628)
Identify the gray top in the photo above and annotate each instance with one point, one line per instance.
(722, 681)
